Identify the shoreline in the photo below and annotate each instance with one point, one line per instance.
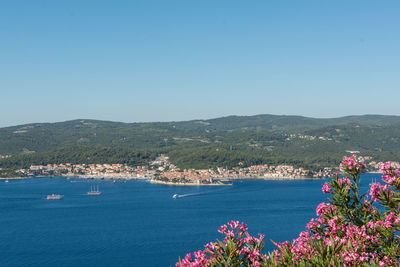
(158, 181)
(277, 178)
(14, 178)
(105, 177)
(185, 184)
(102, 177)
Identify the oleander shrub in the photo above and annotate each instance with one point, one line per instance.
(351, 229)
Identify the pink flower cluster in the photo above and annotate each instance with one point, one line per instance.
(355, 238)
(348, 231)
(326, 188)
(325, 208)
(390, 176)
(344, 181)
(380, 192)
(200, 260)
(238, 246)
(350, 164)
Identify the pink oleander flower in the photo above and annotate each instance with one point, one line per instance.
(328, 242)
(223, 229)
(332, 222)
(248, 239)
(233, 224)
(363, 258)
(389, 220)
(374, 191)
(254, 254)
(230, 234)
(386, 166)
(389, 178)
(324, 208)
(302, 246)
(312, 224)
(350, 258)
(371, 225)
(247, 248)
(259, 239)
(242, 227)
(210, 246)
(244, 251)
(344, 181)
(326, 188)
(350, 164)
(316, 236)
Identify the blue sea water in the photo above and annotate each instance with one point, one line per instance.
(136, 223)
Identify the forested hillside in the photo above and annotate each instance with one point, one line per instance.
(297, 140)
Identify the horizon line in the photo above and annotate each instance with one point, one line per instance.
(213, 118)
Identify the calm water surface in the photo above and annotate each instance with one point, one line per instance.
(135, 223)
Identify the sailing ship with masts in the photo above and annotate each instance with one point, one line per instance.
(94, 191)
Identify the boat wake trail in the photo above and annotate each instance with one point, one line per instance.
(188, 195)
(199, 193)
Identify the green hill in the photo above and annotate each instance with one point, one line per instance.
(223, 141)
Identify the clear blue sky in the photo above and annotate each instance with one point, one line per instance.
(178, 60)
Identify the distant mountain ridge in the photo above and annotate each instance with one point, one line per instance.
(233, 121)
(44, 136)
(289, 122)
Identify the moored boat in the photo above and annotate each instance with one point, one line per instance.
(94, 191)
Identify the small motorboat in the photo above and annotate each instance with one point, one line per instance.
(175, 196)
(54, 197)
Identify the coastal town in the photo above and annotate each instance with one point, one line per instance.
(161, 170)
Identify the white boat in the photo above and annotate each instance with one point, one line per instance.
(6, 181)
(175, 196)
(94, 191)
(54, 197)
